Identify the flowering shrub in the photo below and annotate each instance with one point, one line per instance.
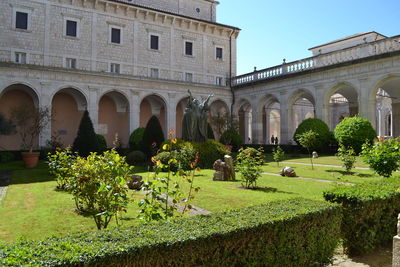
(249, 162)
(60, 166)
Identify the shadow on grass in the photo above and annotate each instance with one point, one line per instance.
(362, 175)
(28, 176)
(267, 190)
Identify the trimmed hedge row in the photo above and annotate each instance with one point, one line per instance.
(293, 149)
(296, 232)
(369, 214)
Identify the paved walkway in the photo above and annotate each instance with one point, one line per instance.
(5, 179)
(323, 165)
(307, 178)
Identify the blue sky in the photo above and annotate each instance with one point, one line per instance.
(273, 30)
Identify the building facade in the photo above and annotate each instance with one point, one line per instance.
(122, 60)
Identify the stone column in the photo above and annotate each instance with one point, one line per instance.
(45, 102)
(134, 111)
(367, 103)
(171, 115)
(256, 125)
(395, 119)
(396, 246)
(93, 107)
(283, 100)
(321, 108)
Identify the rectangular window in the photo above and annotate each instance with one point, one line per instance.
(20, 57)
(189, 48)
(218, 81)
(154, 73)
(115, 68)
(189, 77)
(154, 39)
(218, 53)
(71, 28)
(70, 63)
(21, 20)
(115, 35)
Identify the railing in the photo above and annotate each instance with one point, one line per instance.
(348, 54)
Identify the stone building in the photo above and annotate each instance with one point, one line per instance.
(122, 60)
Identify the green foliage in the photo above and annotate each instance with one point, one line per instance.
(249, 162)
(153, 137)
(307, 140)
(232, 138)
(209, 152)
(348, 157)
(60, 163)
(135, 157)
(210, 132)
(6, 126)
(136, 138)
(369, 213)
(6, 156)
(383, 156)
(99, 186)
(295, 232)
(102, 142)
(182, 151)
(319, 127)
(354, 132)
(163, 196)
(278, 154)
(86, 140)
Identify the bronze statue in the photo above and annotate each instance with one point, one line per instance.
(194, 124)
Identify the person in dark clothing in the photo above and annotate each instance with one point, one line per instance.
(276, 140)
(272, 139)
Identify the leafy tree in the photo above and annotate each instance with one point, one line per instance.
(354, 132)
(6, 126)
(278, 154)
(223, 122)
(232, 138)
(86, 140)
(136, 139)
(153, 136)
(348, 157)
(308, 140)
(319, 127)
(249, 162)
(383, 156)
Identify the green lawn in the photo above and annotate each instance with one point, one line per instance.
(326, 160)
(34, 209)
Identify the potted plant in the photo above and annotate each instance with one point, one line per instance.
(29, 122)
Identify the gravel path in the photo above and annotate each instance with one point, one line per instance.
(307, 178)
(322, 165)
(5, 179)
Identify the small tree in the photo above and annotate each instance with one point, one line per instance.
(348, 157)
(278, 154)
(318, 126)
(249, 162)
(383, 156)
(29, 122)
(307, 140)
(86, 140)
(153, 136)
(223, 122)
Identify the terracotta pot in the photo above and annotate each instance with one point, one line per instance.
(30, 159)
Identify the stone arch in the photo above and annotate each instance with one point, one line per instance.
(68, 105)
(12, 96)
(269, 119)
(386, 92)
(244, 114)
(153, 104)
(301, 106)
(339, 99)
(114, 117)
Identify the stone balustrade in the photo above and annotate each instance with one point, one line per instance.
(379, 47)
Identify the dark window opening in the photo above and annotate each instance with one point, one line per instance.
(218, 54)
(154, 42)
(115, 35)
(189, 48)
(21, 21)
(71, 28)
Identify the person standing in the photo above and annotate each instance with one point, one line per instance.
(276, 140)
(272, 139)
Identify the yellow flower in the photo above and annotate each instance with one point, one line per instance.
(174, 140)
(165, 147)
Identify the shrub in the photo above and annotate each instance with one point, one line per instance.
(348, 157)
(307, 140)
(232, 138)
(136, 138)
(278, 154)
(60, 164)
(182, 151)
(135, 157)
(249, 162)
(153, 136)
(354, 132)
(209, 152)
(295, 232)
(319, 127)
(102, 142)
(369, 214)
(383, 157)
(86, 140)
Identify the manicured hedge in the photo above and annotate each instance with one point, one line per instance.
(369, 213)
(294, 149)
(296, 232)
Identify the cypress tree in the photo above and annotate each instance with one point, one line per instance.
(86, 140)
(153, 136)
